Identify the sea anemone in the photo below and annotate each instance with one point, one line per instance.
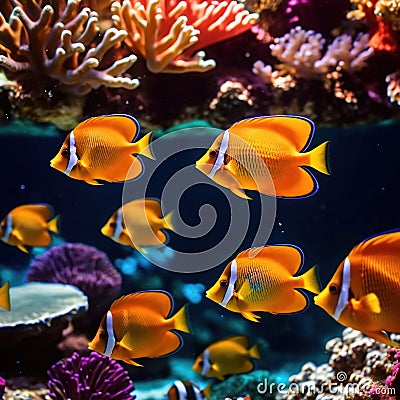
(95, 377)
(79, 265)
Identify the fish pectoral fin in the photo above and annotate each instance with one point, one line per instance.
(251, 316)
(131, 362)
(368, 303)
(93, 182)
(381, 336)
(240, 192)
(244, 291)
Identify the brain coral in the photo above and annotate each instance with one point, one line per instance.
(82, 266)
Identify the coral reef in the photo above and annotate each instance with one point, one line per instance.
(57, 40)
(169, 34)
(383, 20)
(2, 387)
(31, 330)
(95, 377)
(83, 266)
(357, 363)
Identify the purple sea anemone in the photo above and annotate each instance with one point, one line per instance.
(95, 377)
(82, 266)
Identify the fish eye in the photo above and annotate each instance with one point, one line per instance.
(65, 153)
(333, 289)
(213, 153)
(223, 283)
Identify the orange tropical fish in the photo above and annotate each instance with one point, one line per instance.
(266, 154)
(139, 325)
(229, 356)
(139, 224)
(5, 296)
(262, 279)
(100, 148)
(28, 225)
(364, 292)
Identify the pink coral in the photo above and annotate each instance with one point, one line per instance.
(169, 34)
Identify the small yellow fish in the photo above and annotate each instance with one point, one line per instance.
(229, 356)
(139, 224)
(28, 225)
(139, 325)
(100, 148)
(364, 292)
(266, 154)
(262, 279)
(5, 296)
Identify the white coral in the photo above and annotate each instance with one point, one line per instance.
(301, 55)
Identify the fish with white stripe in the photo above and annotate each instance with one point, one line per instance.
(103, 148)
(187, 390)
(364, 292)
(264, 279)
(140, 325)
(266, 154)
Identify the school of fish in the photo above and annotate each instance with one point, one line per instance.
(267, 154)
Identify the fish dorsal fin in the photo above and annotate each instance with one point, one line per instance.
(122, 124)
(44, 210)
(289, 256)
(242, 340)
(385, 243)
(153, 299)
(296, 129)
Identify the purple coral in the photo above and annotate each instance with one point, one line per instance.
(95, 377)
(2, 386)
(82, 266)
(393, 380)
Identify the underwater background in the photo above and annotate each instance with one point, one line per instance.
(353, 101)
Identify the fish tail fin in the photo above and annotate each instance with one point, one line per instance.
(53, 225)
(143, 146)
(5, 296)
(169, 221)
(311, 281)
(206, 392)
(180, 320)
(254, 352)
(319, 158)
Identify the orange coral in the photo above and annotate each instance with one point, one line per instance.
(170, 33)
(383, 20)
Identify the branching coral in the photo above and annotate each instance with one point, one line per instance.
(95, 377)
(169, 34)
(60, 39)
(302, 57)
(301, 54)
